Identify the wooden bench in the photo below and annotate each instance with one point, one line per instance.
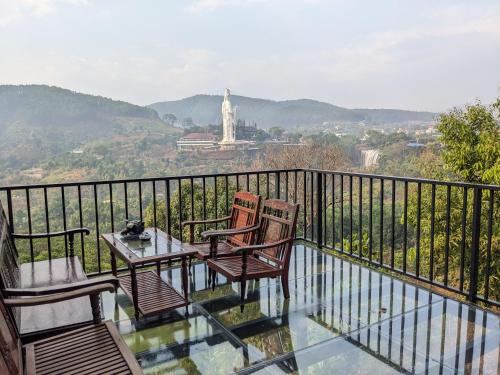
(95, 349)
(44, 279)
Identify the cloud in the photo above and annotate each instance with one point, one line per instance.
(14, 10)
(202, 5)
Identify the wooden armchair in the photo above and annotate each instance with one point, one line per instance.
(244, 214)
(48, 296)
(95, 349)
(269, 256)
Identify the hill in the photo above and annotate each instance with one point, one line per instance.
(205, 109)
(38, 121)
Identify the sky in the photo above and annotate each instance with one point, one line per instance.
(419, 55)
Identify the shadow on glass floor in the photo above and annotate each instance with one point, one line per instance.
(341, 318)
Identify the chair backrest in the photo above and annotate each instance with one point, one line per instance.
(11, 353)
(244, 212)
(278, 221)
(9, 259)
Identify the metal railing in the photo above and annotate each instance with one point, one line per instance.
(442, 233)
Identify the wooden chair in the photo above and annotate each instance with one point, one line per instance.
(95, 349)
(48, 280)
(269, 256)
(244, 214)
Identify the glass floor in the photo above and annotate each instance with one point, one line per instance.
(341, 318)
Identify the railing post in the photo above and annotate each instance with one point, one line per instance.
(474, 251)
(277, 185)
(319, 209)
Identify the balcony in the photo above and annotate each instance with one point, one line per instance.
(387, 274)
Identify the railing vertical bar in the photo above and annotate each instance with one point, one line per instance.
(488, 247)
(154, 204)
(417, 243)
(405, 224)
(248, 182)
(140, 199)
(341, 213)
(258, 183)
(267, 185)
(215, 200)
(304, 204)
(204, 186)
(168, 217)
(381, 229)
(447, 239)
(111, 208)
(325, 201)
(360, 217)
(47, 221)
(30, 225)
(277, 185)
(333, 210)
(393, 221)
(10, 210)
(65, 227)
(98, 247)
(350, 215)
(319, 213)
(312, 206)
(433, 219)
(295, 187)
(474, 249)
(286, 186)
(191, 185)
(462, 242)
(125, 197)
(237, 182)
(226, 192)
(80, 217)
(370, 219)
(179, 192)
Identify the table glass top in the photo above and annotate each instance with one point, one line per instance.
(157, 245)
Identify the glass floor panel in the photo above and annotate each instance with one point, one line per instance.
(341, 317)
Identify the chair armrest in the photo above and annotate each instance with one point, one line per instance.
(85, 231)
(63, 288)
(58, 297)
(208, 221)
(245, 249)
(228, 232)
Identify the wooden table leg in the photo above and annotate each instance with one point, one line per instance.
(113, 262)
(135, 296)
(185, 282)
(158, 268)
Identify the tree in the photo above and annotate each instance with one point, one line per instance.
(471, 142)
(276, 132)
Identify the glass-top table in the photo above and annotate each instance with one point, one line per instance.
(149, 292)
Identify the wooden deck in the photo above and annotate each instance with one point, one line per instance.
(154, 294)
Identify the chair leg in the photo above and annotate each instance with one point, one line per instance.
(243, 291)
(96, 308)
(284, 284)
(190, 264)
(214, 275)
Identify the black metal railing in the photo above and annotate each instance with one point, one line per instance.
(442, 233)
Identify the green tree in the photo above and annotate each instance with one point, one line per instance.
(471, 140)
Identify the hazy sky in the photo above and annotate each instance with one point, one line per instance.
(420, 54)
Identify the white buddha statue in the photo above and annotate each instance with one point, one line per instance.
(228, 131)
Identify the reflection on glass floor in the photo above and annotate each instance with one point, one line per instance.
(340, 318)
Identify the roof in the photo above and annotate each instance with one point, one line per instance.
(199, 137)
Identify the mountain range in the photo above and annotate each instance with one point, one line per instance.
(206, 109)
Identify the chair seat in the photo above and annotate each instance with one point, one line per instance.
(97, 349)
(54, 315)
(231, 267)
(224, 249)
